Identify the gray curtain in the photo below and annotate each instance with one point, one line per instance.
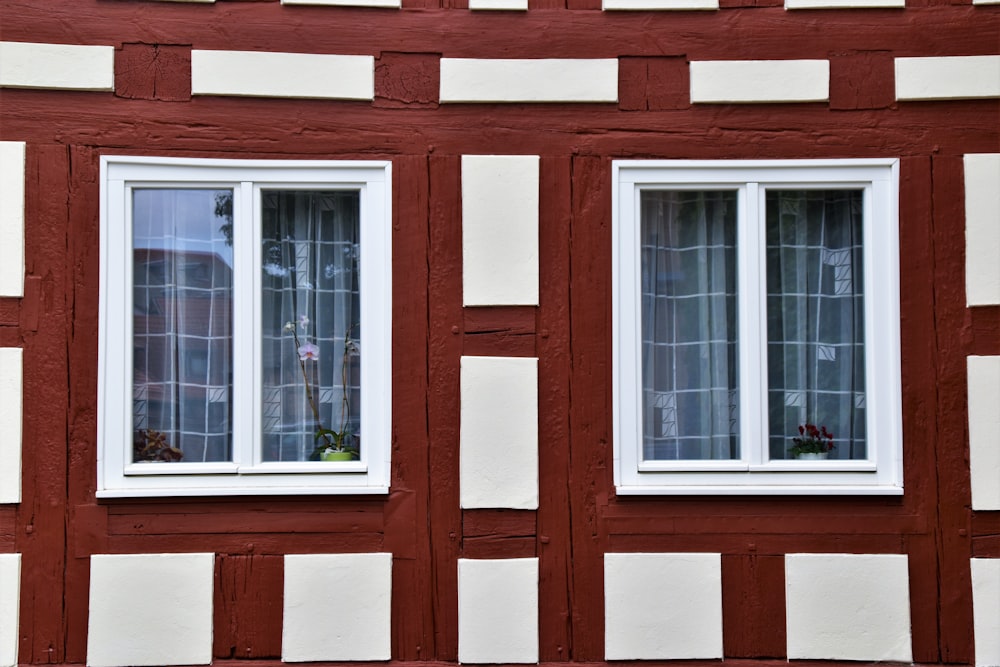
(690, 377)
(815, 318)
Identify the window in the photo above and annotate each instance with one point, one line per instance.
(752, 298)
(245, 327)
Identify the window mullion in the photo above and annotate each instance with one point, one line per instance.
(753, 322)
(246, 279)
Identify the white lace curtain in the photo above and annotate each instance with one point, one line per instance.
(310, 279)
(182, 325)
(815, 328)
(689, 355)
(182, 380)
(815, 318)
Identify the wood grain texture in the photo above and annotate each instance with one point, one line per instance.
(954, 492)
(507, 331)
(153, 72)
(554, 517)
(986, 534)
(407, 528)
(753, 598)
(41, 530)
(444, 353)
(8, 516)
(590, 479)
(765, 30)
(861, 80)
(247, 607)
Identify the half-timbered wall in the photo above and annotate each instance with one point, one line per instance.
(502, 538)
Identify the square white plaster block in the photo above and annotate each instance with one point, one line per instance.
(11, 383)
(721, 81)
(984, 425)
(262, 74)
(57, 66)
(337, 607)
(843, 4)
(982, 229)
(848, 607)
(12, 218)
(498, 450)
(662, 606)
(10, 605)
(498, 5)
(652, 5)
(387, 4)
(949, 77)
(498, 610)
(986, 610)
(150, 609)
(500, 230)
(544, 80)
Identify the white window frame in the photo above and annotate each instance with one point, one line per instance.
(117, 476)
(882, 472)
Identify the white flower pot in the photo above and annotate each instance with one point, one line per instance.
(812, 457)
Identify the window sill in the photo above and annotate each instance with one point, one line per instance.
(759, 490)
(207, 491)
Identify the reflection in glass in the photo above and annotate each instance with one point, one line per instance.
(310, 324)
(182, 325)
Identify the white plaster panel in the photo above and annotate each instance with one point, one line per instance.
(500, 230)
(498, 451)
(498, 610)
(662, 606)
(12, 218)
(984, 424)
(545, 80)
(652, 5)
(11, 383)
(387, 4)
(57, 66)
(986, 2)
(982, 229)
(843, 4)
(721, 81)
(986, 610)
(262, 74)
(500, 5)
(950, 77)
(848, 607)
(150, 609)
(10, 605)
(337, 607)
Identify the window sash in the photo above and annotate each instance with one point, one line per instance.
(245, 473)
(880, 472)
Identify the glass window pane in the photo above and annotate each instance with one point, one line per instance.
(689, 332)
(182, 325)
(311, 319)
(815, 320)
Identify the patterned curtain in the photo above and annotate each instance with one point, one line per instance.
(815, 318)
(690, 376)
(310, 319)
(182, 326)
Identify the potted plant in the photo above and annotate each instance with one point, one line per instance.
(812, 442)
(330, 444)
(150, 445)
